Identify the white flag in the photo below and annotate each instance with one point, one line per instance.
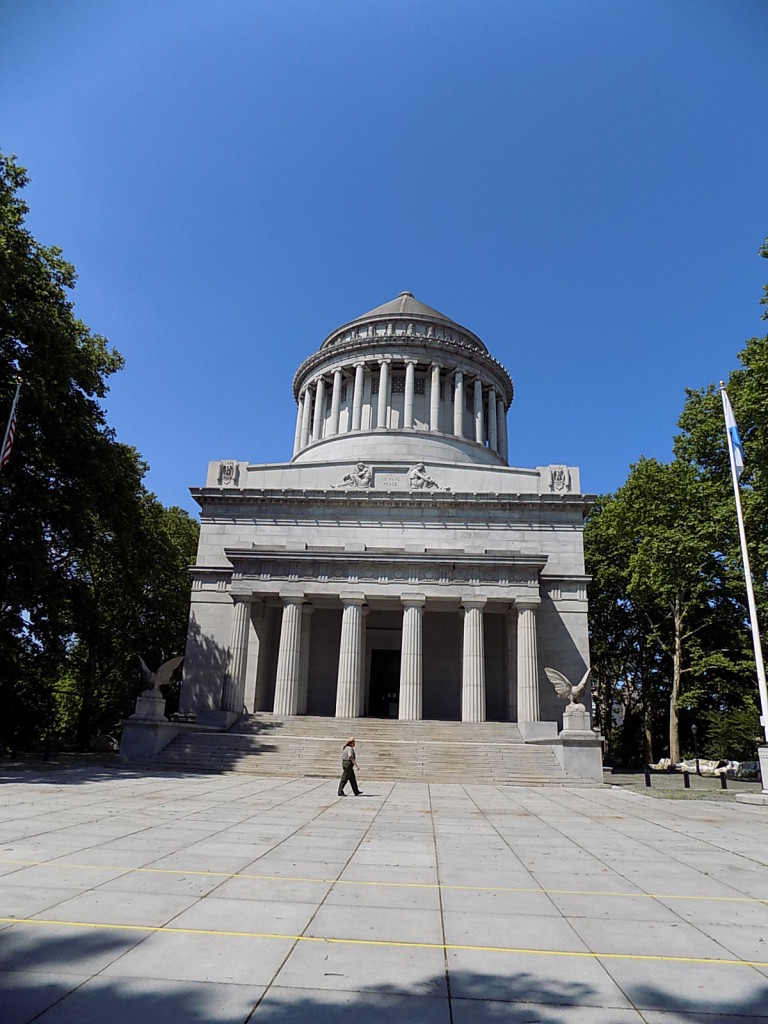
(730, 425)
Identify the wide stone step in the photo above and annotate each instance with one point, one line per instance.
(388, 750)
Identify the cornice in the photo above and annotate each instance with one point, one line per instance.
(217, 496)
(467, 357)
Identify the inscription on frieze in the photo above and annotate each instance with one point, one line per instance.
(390, 480)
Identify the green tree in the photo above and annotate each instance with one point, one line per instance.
(73, 509)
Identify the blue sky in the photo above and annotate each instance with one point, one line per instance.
(582, 183)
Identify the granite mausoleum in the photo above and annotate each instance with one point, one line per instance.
(397, 566)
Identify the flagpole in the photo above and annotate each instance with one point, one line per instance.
(8, 429)
(747, 576)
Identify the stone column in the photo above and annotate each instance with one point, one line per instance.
(317, 422)
(348, 688)
(411, 660)
(502, 418)
(382, 416)
(410, 370)
(510, 661)
(527, 660)
(305, 416)
(289, 658)
(479, 430)
(434, 398)
(357, 397)
(458, 403)
(493, 431)
(299, 417)
(333, 426)
(234, 681)
(473, 661)
(306, 627)
(361, 671)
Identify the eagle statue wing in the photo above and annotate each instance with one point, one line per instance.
(149, 675)
(560, 683)
(579, 690)
(166, 670)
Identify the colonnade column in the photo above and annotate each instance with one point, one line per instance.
(234, 681)
(411, 659)
(289, 658)
(458, 403)
(305, 416)
(357, 397)
(410, 370)
(479, 430)
(473, 661)
(527, 660)
(299, 417)
(317, 422)
(434, 398)
(502, 424)
(306, 631)
(348, 688)
(333, 426)
(382, 416)
(493, 431)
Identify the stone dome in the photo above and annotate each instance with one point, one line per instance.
(400, 381)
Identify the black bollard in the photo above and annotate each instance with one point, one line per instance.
(723, 781)
(687, 780)
(647, 778)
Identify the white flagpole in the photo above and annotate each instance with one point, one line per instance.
(747, 573)
(3, 457)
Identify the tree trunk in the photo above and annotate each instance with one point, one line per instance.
(677, 675)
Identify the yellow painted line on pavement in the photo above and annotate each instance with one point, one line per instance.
(390, 943)
(393, 885)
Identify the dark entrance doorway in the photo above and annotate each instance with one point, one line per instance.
(384, 696)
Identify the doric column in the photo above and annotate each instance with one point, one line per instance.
(317, 422)
(333, 426)
(411, 662)
(348, 688)
(502, 424)
(527, 660)
(289, 658)
(299, 417)
(458, 403)
(473, 661)
(382, 418)
(410, 369)
(234, 681)
(306, 629)
(357, 397)
(305, 416)
(434, 398)
(493, 432)
(479, 431)
(510, 663)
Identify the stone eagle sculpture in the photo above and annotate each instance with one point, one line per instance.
(565, 690)
(155, 680)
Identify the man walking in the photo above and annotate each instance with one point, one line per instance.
(348, 765)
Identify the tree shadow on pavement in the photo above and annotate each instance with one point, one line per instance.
(56, 979)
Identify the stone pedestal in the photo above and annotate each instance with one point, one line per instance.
(762, 753)
(150, 707)
(576, 719)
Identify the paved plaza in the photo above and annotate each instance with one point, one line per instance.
(141, 897)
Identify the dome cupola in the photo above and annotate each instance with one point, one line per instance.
(402, 381)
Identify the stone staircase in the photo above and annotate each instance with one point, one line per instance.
(487, 752)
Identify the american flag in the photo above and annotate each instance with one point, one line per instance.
(10, 430)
